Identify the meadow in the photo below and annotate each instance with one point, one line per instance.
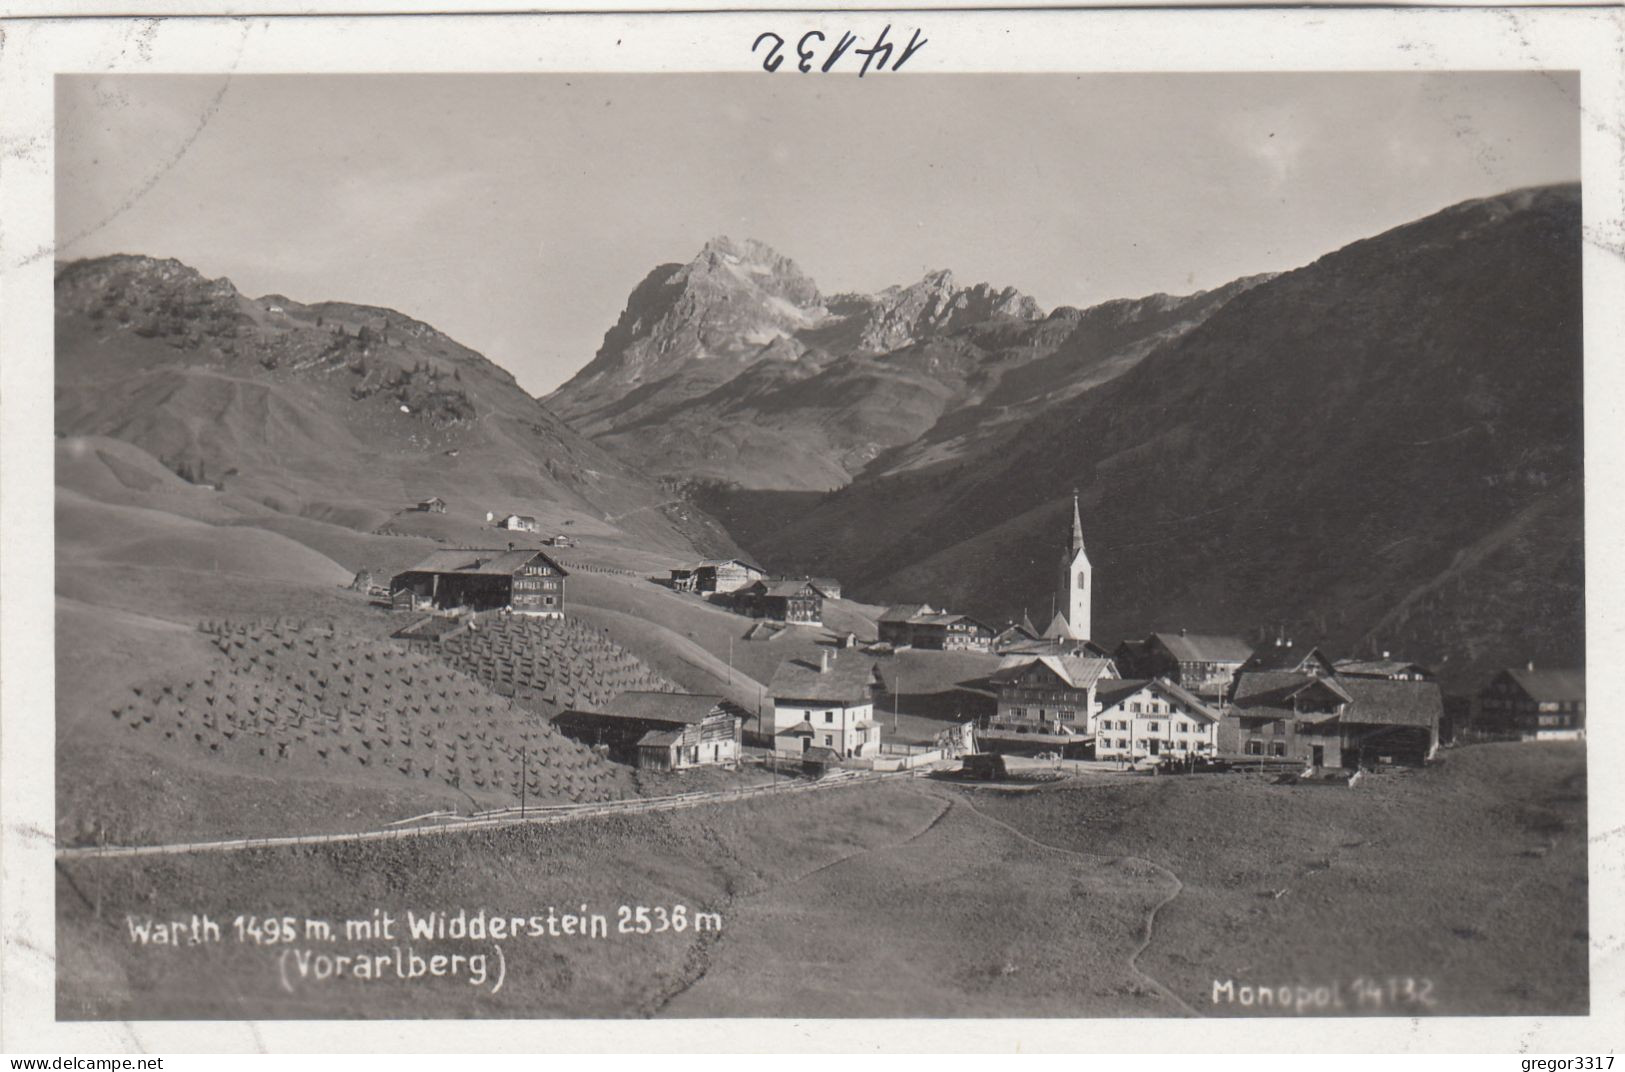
(1106, 896)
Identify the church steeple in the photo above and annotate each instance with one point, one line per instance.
(1075, 592)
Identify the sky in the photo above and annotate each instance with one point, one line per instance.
(517, 212)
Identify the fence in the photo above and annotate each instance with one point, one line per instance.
(593, 567)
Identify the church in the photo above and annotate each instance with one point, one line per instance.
(1075, 593)
(1069, 629)
(1047, 688)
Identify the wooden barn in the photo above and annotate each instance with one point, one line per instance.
(896, 624)
(525, 581)
(796, 602)
(519, 523)
(661, 730)
(432, 505)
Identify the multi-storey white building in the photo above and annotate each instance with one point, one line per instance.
(827, 704)
(1141, 720)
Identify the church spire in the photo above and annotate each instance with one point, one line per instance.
(1077, 524)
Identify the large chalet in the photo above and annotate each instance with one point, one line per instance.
(918, 626)
(1326, 720)
(794, 602)
(524, 581)
(1536, 705)
(1052, 695)
(1153, 720)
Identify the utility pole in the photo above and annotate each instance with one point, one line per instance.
(524, 776)
(896, 694)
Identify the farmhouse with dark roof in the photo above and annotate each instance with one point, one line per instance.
(525, 581)
(1322, 720)
(661, 730)
(1536, 705)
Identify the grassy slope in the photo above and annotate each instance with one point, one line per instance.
(924, 899)
(1472, 874)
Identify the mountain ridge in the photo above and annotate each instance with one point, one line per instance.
(757, 397)
(329, 410)
(1316, 452)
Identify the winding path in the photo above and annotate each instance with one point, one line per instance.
(1151, 916)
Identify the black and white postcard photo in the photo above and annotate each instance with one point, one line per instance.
(1081, 518)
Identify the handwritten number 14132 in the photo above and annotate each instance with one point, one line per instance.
(810, 44)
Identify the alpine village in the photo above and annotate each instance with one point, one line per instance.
(1111, 661)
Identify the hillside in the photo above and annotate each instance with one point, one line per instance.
(1383, 448)
(1117, 896)
(335, 412)
(734, 370)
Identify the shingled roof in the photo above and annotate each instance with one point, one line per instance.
(485, 561)
(1370, 700)
(1282, 657)
(1381, 702)
(846, 681)
(1077, 671)
(1204, 647)
(783, 589)
(1552, 686)
(1378, 667)
(684, 707)
(1111, 693)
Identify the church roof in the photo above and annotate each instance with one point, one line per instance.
(1059, 627)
